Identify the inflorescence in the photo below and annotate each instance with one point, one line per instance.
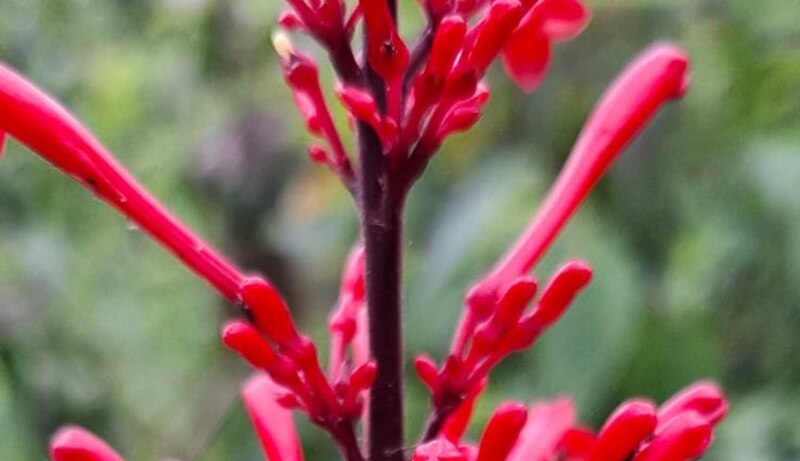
(407, 100)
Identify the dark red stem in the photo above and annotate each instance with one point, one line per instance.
(381, 223)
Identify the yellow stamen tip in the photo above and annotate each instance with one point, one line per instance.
(282, 44)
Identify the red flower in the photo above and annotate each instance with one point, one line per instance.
(526, 55)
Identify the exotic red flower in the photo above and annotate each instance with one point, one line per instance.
(406, 104)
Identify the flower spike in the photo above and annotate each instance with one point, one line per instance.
(657, 76)
(73, 443)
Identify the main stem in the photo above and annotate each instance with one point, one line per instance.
(381, 224)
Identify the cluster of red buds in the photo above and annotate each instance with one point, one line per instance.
(678, 430)
(424, 94)
(405, 101)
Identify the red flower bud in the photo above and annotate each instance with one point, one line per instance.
(72, 443)
(427, 371)
(447, 43)
(363, 376)
(630, 425)
(242, 338)
(318, 154)
(526, 55)
(290, 20)
(502, 431)
(386, 52)
(561, 291)
(577, 443)
(362, 105)
(269, 311)
(685, 437)
(704, 397)
(492, 33)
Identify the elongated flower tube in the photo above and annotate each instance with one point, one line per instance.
(39, 122)
(657, 76)
(73, 443)
(273, 423)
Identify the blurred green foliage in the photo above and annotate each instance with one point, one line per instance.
(695, 233)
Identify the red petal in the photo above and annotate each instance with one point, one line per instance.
(526, 57)
(563, 19)
(547, 424)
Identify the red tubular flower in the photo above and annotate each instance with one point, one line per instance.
(502, 431)
(387, 54)
(630, 425)
(302, 77)
(362, 106)
(343, 324)
(491, 34)
(526, 55)
(269, 311)
(273, 423)
(48, 129)
(72, 443)
(657, 76)
(428, 85)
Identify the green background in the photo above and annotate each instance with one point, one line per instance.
(694, 234)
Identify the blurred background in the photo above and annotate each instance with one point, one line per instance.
(694, 234)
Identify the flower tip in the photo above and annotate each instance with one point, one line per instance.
(579, 273)
(704, 397)
(685, 437)
(282, 44)
(673, 62)
(514, 414)
(233, 332)
(73, 443)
